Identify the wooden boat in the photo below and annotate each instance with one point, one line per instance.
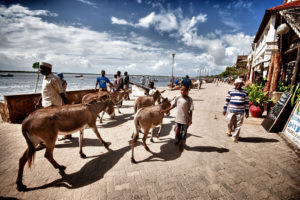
(15, 108)
(7, 75)
(79, 76)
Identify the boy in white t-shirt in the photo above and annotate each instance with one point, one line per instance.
(183, 120)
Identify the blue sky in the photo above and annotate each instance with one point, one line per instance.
(137, 36)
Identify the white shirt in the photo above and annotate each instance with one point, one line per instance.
(184, 106)
(51, 90)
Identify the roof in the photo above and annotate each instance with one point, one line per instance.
(292, 16)
(284, 6)
(268, 14)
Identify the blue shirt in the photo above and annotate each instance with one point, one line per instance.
(186, 82)
(102, 81)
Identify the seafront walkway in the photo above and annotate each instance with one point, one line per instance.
(260, 166)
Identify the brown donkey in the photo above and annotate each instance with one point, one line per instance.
(148, 118)
(145, 101)
(45, 124)
(98, 96)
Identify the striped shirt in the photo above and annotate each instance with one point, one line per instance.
(238, 101)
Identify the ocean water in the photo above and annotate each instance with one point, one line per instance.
(24, 82)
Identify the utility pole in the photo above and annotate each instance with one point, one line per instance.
(172, 77)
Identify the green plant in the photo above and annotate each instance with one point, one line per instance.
(295, 95)
(283, 88)
(257, 96)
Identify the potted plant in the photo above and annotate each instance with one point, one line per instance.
(258, 98)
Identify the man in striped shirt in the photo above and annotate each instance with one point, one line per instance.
(238, 102)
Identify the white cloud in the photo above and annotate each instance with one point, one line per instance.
(94, 5)
(161, 22)
(146, 21)
(240, 4)
(25, 38)
(139, 1)
(115, 20)
(165, 21)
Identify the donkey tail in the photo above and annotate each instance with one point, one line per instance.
(31, 150)
(135, 107)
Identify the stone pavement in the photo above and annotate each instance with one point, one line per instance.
(260, 166)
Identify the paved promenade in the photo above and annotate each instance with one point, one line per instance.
(260, 166)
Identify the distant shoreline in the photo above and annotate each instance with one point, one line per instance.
(34, 72)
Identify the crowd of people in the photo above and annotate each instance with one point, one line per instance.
(237, 101)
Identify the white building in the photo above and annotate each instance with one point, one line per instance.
(264, 45)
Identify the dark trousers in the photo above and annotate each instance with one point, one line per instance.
(180, 132)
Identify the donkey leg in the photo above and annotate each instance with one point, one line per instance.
(101, 118)
(159, 132)
(151, 135)
(82, 155)
(118, 106)
(99, 136)
(22, 162)
(132, 143)
(49, 156)
(144, 139)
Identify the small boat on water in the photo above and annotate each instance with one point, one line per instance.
(7, 75)
(79, 76)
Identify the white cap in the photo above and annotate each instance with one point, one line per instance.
(44, 64)
(238, 80)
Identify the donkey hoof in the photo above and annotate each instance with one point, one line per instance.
(106, 144)
(147, 148)
(61, 168)
(133, 160)
(82, 155)
(21, 187)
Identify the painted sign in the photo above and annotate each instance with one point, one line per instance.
(292, 127)
(277, 117)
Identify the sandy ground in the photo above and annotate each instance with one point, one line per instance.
(260, 166)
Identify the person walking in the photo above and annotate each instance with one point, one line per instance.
(102, 80)
(52, 90)
(142, 80)
(114, 82)
(187, 82)
(185, 107)
(120, 82)
(63, 82)
(126, 86)
(126, 81)
(238, 102)
(53, 93)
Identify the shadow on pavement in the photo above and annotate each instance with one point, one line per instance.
(166, 129)
(169, 151)
(127, 106)
(119, 119)
(256, 140)
(7, 198)
(74, 142)
(206, 149)
(198, 100)
(91, 172)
